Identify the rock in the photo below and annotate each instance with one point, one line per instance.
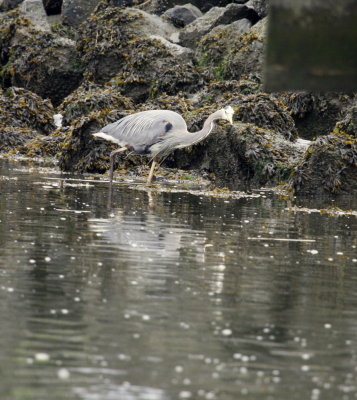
(245, 59)
(329, 166)
(264, 111)
(316, 114)
(44, 63)
(111, 36)
(89, 98)
(6, 5)
(181, 16)
(23, 116)
(193, 32)
(348, 123)
(259, 6)
(117, 44)
(220, 44)
(237, 157)
(74, 12)
(35, 12)
(52, 7)
(23, 109)
(160, 6)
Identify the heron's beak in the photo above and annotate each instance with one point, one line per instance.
(230, 119)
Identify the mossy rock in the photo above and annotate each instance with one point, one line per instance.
(329, 167)
(21, 108)
(91, 97)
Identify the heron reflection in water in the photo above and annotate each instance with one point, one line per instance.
(156, 133)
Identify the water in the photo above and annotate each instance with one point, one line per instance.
(165, 295)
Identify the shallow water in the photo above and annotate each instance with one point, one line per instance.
(165, 295)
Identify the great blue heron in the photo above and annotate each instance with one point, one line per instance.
(156, 133)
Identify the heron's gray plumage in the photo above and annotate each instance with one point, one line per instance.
(157, 133)
(142, 130)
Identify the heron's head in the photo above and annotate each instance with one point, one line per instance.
(227, 114)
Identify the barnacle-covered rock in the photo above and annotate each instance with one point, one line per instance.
(329, 166)
(6, 5)
(23, 109)
(91, 97)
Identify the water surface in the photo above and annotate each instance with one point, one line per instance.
(168, 294)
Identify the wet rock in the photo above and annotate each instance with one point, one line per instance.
(23, 109)
(240, 156)
(181, 16)
(316, 114)
(118, 43)
(74, 12)
(348, 123)
(35, 12)
(110, 38)
(80, 151)
(245, 58)
(12, 139)
(6, 5)
(90, 97)
(215, 47)
(259, 6)
(266, 112)
(191, 34)
(329, 166)
(52, 7)
(43, 63)
(160, 6)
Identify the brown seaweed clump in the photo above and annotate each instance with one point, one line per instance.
(229, 55)
(91, 97)
(329, 166)
(117, 46)
(23, 109)
(238, 156)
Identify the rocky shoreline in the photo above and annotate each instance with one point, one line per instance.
(95, 61)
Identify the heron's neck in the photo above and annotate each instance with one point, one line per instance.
(207, 127)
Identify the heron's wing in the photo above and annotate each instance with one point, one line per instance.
(143, 129)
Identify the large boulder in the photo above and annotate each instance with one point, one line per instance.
(316, 114)
(40, 61)
(36, 13)
(6, 5)
(329, 166)
(348, 123)
(117, 44)
(181, 16)
(239, 156)
(260, 6)
(89, 98)
(216, 16)
(23, 116)
(160, 6)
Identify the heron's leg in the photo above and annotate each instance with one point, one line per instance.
(112, 154)
(151, 173)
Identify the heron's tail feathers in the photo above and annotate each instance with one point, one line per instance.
(106, 137)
